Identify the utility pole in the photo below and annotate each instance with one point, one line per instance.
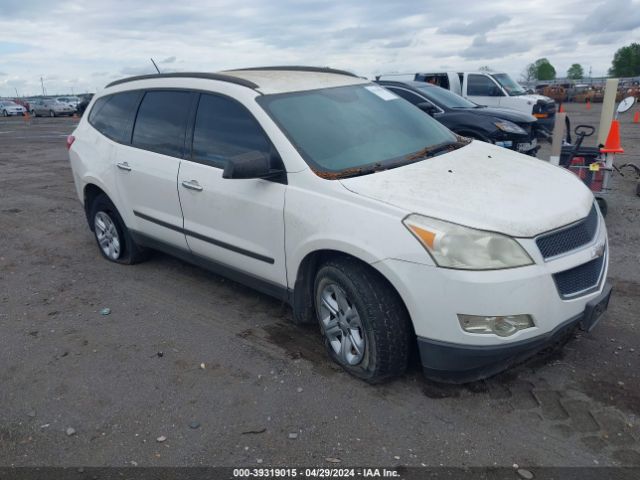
(42, 83)
(16, 89)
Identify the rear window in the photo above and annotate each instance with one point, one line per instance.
(112, 115)
(161, 122)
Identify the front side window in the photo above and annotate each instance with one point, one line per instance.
(161, 122)
(509, 84)
(112, 115)
(356, 129)
(481, 86)
(225, 129)
(447, 98)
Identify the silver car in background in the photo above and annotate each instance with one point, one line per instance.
(70, 100)
(50, 107)
(8, 107)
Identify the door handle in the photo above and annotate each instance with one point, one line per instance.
(192, 185)
(124, 166)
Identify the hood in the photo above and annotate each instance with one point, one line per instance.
(535, 98)
(503, 114)
(485, 187)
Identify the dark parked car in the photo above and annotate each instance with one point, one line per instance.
(84, 102)
(501, 126)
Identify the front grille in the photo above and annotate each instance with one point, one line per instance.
(581, 279)
(569, 238)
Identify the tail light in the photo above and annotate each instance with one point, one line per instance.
(70, 140)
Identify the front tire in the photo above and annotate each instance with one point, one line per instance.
(5, 113)
(364, 323)
(114, 239)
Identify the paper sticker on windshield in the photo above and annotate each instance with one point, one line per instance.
(383, 93)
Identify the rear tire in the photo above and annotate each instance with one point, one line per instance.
(364, 323)
(114, 239)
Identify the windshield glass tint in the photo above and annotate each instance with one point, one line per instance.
(350, 127)
(446, 98)
(508, 83)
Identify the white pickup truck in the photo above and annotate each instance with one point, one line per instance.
(494, 89)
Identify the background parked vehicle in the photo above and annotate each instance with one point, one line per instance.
(84, 103)
(9, 108)
(494, 89)
(72, 101)
(501, 126)
(50, 108)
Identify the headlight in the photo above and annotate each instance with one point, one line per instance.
(464, 248)
(509, 127)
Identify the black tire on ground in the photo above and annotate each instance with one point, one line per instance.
(5, 113)
(52, 113)
(130, 252)
(602, 203)
(384, 319)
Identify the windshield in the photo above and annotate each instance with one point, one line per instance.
(509, 84)
(8, 104)
(355, 129)
(446, 98)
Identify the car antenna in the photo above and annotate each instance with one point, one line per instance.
(154, 64)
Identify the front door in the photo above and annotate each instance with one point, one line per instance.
(238, 223)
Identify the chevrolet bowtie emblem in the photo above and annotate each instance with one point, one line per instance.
(597, 251)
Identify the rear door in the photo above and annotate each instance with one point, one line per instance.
(238, 223)
(147, 169)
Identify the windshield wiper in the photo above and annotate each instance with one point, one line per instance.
(433, 150)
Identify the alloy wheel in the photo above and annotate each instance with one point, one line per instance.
(341, 324)
(107, 235)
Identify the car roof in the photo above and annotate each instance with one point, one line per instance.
(269, 80)
(408, 83)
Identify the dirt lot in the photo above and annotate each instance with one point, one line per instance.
(124, 379)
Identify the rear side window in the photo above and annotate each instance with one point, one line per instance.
(225, 129)
(161, 122)
(411, 97)
(112, 115)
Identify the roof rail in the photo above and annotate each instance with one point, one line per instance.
(208, 76)
(299, 68)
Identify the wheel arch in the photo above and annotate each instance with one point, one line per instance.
(90, 192)
(303, 296)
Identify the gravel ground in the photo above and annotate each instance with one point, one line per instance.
(218, 373)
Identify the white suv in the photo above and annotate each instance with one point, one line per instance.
(367, 216)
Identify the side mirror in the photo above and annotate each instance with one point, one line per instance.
(427, 108)
(252, 164)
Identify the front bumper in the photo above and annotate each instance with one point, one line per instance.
(454, 363)
(550, 290)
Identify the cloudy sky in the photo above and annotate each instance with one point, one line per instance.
(82, 45)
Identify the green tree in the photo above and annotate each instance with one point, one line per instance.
(541, 69)
(626, 61)
(544, 69)
(575, 72)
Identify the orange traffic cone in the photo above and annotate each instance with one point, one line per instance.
(636, 117)
(612, 145)
(561, 109)
(588, 104)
